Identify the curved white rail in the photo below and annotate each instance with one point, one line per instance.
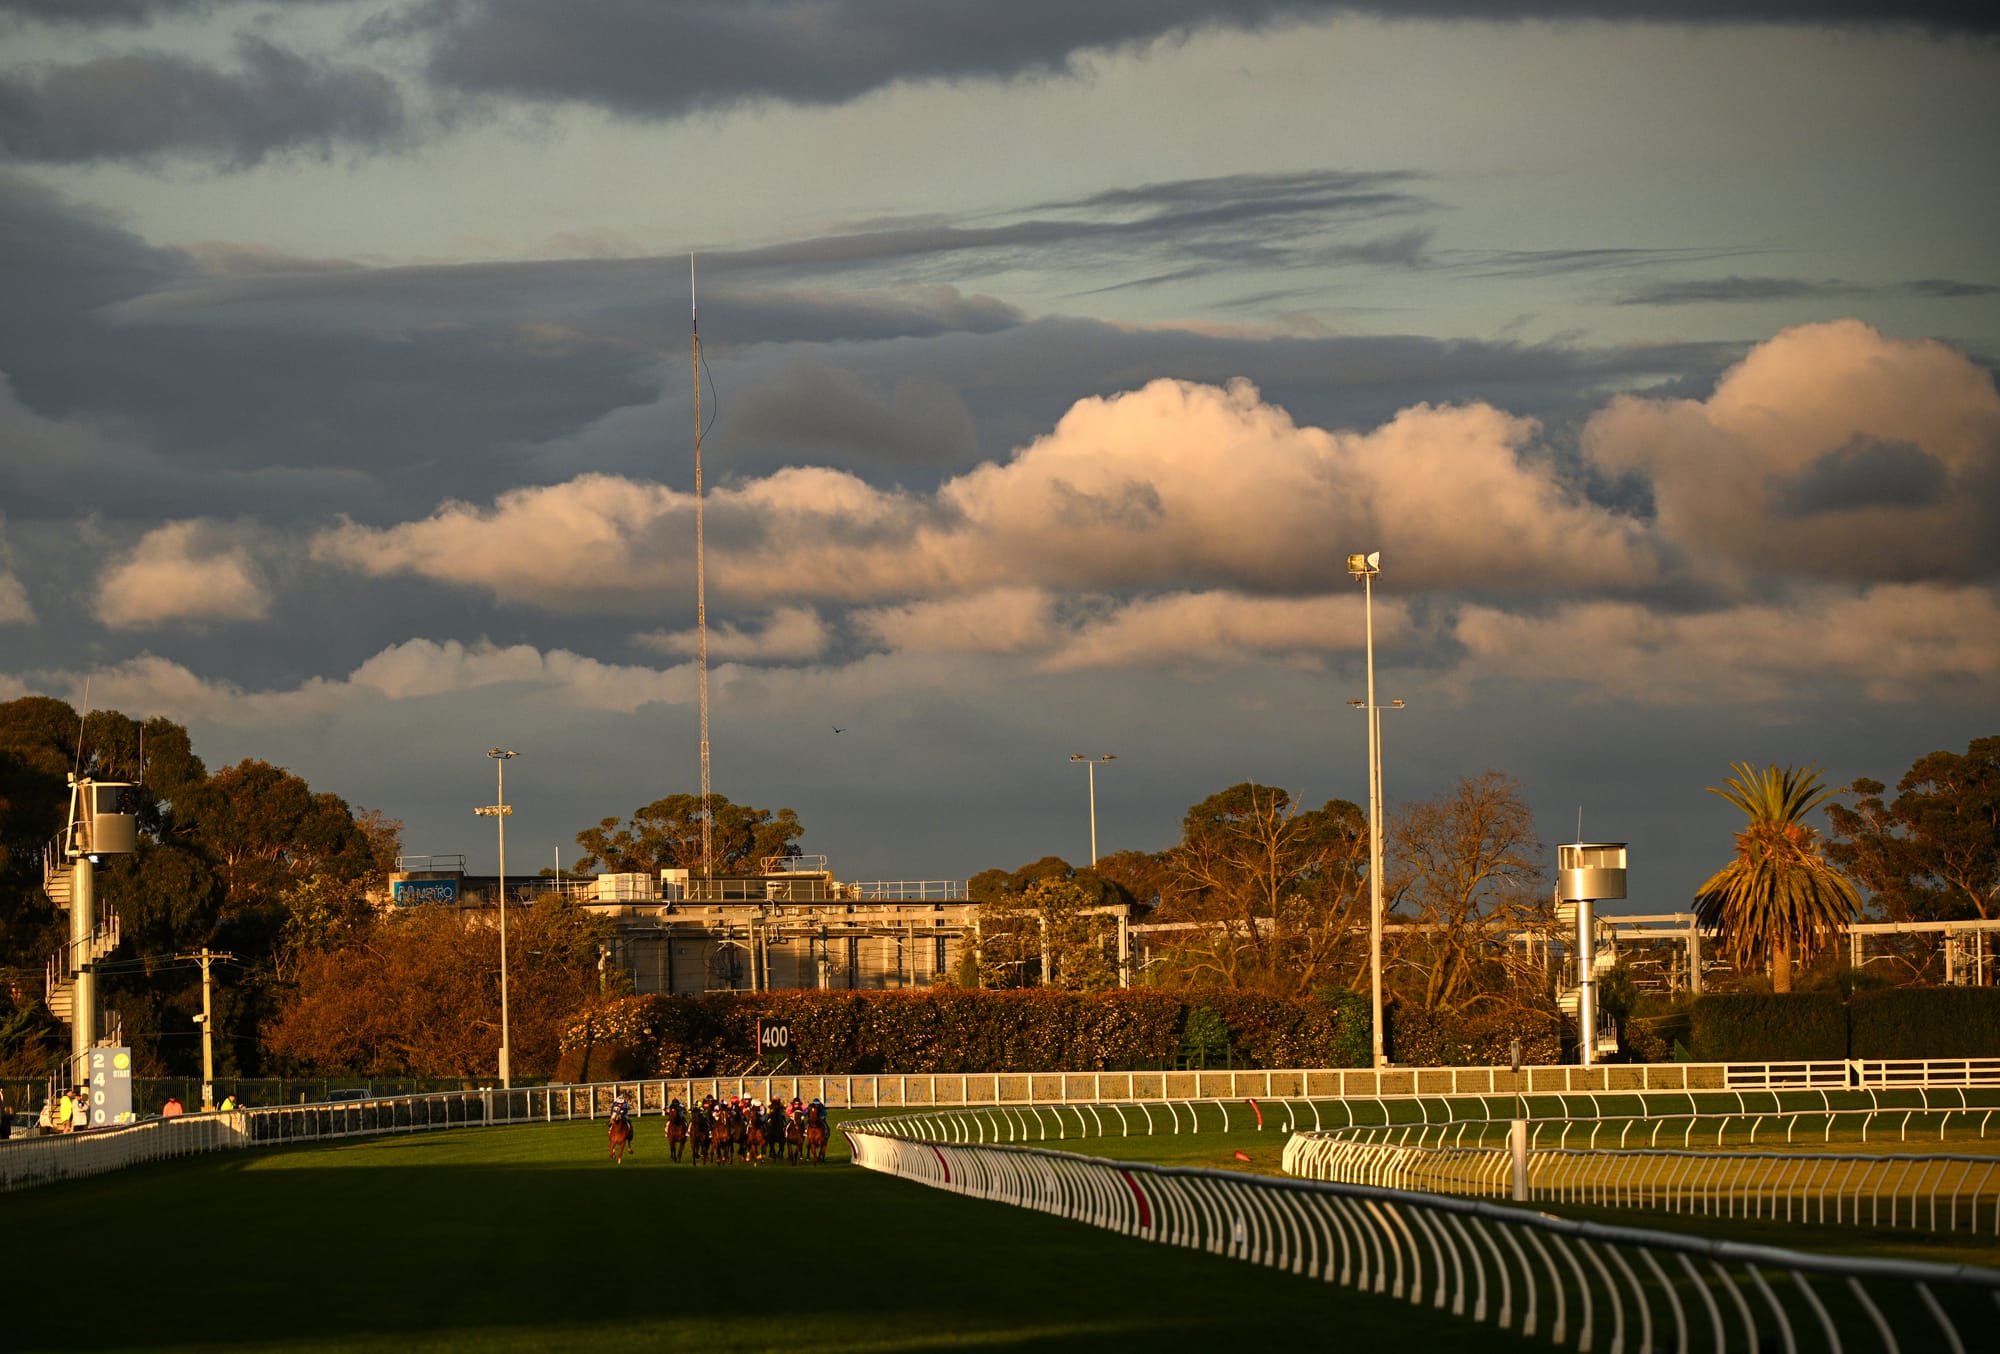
(1571, 1281)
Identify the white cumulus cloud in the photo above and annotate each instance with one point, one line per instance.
(190, 570)
(1832, 451)
(1896, 642)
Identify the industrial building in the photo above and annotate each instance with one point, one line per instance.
(793, 925)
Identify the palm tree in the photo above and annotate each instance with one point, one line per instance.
(1779, 897)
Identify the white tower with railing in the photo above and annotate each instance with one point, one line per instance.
(103, 821)
(1587, 873)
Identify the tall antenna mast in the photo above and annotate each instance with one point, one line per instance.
(700, 589)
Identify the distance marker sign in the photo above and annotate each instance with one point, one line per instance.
(774, 1037)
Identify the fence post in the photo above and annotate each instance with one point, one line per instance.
(1517, 1147)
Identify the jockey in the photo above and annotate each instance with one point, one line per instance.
(621, 1106)
(818, 1106)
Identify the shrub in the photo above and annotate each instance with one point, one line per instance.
(948, 1029)
(1419, 1038)
(1755, 1027)
(1925, 1022)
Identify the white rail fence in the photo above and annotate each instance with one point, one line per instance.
(26, 1162)
(1934, 1192)
(1331, 1097)
(1574, 1282)
(1592, 1120)
(1651, 1118)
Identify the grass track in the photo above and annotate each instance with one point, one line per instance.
(525, 1239)
(1215, 1149)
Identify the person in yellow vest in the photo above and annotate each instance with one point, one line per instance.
(228, 1104)
(65, 1113)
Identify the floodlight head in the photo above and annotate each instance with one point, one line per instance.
(1357, 703)
(1076, 756)
(502, 753)
(1395, 705)
(1362, 566)
(1110, 757)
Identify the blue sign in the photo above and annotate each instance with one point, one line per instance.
(408, 892)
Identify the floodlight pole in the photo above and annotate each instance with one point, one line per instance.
(1091, 763)
(1365, 567)
(500, 810)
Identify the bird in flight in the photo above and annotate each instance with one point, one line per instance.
(838, 729)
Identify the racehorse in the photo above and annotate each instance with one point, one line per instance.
(677, 1131)
(720, 1138)
(621, 1138)
(795, 1138)
(815, 1134)
(700, 1134)
(753, 1139)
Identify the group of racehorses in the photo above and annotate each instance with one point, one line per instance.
(718, 1132)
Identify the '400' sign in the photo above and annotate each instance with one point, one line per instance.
(774, 1036)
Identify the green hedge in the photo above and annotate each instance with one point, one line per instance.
(1432, 1039)
(1925, 1022)
(961, 1030)
(1767, 1028)
(1894, 1022)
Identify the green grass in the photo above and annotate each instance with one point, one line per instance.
(526, 1239)
(1214, 1148)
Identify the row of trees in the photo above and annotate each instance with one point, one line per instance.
(253, 861)
(1272, 896)
(1930, 854)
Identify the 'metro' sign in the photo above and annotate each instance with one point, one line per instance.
(408, 892)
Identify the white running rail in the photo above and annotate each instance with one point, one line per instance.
(1543, 1276)
(1939, 1192)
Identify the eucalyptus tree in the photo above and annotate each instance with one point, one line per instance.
(1779, 899)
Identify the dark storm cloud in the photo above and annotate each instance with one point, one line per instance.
(147, 106)
(1239, 220)
(1724, 290)
(97, 11)
(1536, 263)
(670, 58)
(187, 418)
(638, 301)
(1699, 291)
(1867, 472)
(809, 408)
(295, 388)
(1949, 289)
(1407, 249)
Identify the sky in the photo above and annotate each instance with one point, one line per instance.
(1056, 357)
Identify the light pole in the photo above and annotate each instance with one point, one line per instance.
(1365, 567)
(1092, 762)
(500, 810)
(1124, 917)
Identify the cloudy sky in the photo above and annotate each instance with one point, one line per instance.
(1057, 355)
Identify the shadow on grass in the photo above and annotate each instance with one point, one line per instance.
(526, 1239)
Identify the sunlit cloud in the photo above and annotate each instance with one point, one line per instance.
(183, 571)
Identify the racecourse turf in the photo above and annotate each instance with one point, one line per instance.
(1218, 1150)
(527, 1239)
